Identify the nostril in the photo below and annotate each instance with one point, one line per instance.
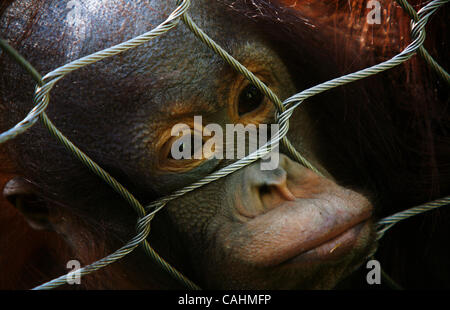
(264, 190)
(277, 188)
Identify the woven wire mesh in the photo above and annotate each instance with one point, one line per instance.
(284, 112)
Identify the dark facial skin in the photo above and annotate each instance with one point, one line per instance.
(284, 228)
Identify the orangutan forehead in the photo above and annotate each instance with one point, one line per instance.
(183, 109)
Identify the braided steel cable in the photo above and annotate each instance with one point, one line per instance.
(143, 231)
(418, 35)
(143, 224)
(80, 155)
(42, 96)
(386, 223)
(422, 52)
(253, 79)
(283, 115)
(260, 153)
(42, 99)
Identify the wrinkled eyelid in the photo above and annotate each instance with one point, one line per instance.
(264, 76)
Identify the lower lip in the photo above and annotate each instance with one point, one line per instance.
(333, 249)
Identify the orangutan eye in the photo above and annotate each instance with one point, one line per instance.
(249, 99)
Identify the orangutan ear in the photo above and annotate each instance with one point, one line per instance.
(26, 197)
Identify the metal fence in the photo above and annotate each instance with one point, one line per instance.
(284, 111)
